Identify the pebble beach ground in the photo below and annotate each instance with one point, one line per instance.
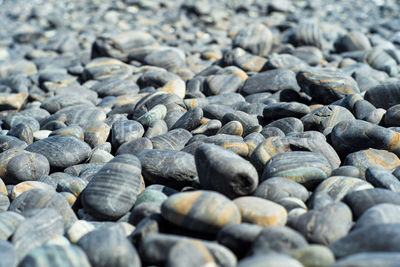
(199, 133)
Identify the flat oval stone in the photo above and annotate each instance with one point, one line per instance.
(28, 185)
(365, 159)
(165, 81)
(49, 254)
(313, 255)
(324, 225)
(384, 259)
(232, 128)
(371, 238)
(273, 260)
(252, 141)
(82, 115)
(222, 84)
(208, 128)
(74, 130)
(97, 134)
(55, 103)
(306, 168)
(11, 142)
(326, 117)
(8, 254)
(361, 200)
(173, 168)
(61, 150)
(113, 190)
(27, 167)
(224, 171)
(354, 135)
(350, 171)
(380, 60)
(285, 61)
(380, 177)
(174, 139)
(276, 111)
(238, 237)
(190, 120)
(195, 211)
(98, 246)
(190, 253)
(23, 132)
(391, 116)
(216, 111)
(339, 186)
(257, 39)
(233, 143)
(270, 81)
(158, 112)
(36, 230)
(123, 131)
(379, 214)
(288, 125)
(9, 222)
(276, 239)
(260, 211)
(115, 88)
(156, 128)
(384, 95)
(352, 41)
(155, 248)
(135, 146)
(40, 199)
(326, 86)
(276, 188)
(14, 120)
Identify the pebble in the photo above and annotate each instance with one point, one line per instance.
(373, 238)
(8, 254)
(298, 100)
(326, 224)
(119, 177)
(98, 246)
(260, 211)
(223, 171)
(61, 151)
(379, 214)
(361, 200)
(168, 167)
(306, 168)
(276, 239)
(369, 258)
(192, 210)
(36, 230)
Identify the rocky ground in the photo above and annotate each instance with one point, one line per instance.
(199, 133)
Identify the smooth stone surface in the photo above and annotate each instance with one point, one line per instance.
(273, 260)
(260, 211)
(27, 167)
(361, 200)
(379, 214)
(168, 167)
(36, 230)
(123, 131)
(108, 247)
(174, 139)
(9, 222)
(313, 256)
(8, 254)
(337, 187)
(371, 238)
(306, 168)
(202, 211)
(365, 159)
(380, 177)
(238, 237)
(276, 239)
(39, 199)
(224, 171)
(354, 135)
(135, 146)
(61, 150)
(276, 188)
(50, 255)
(190, 253)
(113, 190)
(383, 259)
(326, 224)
